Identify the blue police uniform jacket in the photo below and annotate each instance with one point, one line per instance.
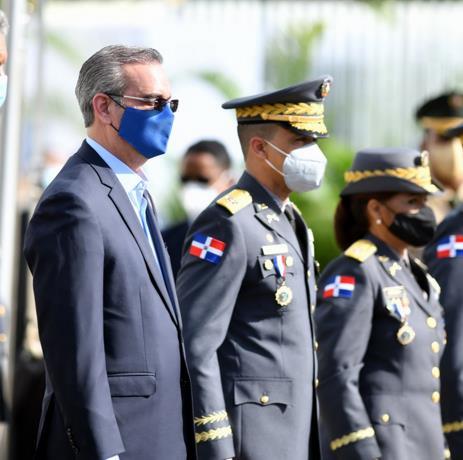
(444, 256)
(245, 288)
(381, 335)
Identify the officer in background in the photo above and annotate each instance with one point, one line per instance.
(378, 318)
(444, 257)
(204, 173)
(436, 116)
(246, 288)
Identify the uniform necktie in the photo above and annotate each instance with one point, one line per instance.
(297, 225)
(289, 213)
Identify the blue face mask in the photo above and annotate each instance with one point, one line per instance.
(3, 88)
(147, 131)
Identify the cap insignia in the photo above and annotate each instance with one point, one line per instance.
(325, 89)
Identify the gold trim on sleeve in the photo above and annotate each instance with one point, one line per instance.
(213, 417)
(350, 438)
(211, 435)
(452, 427)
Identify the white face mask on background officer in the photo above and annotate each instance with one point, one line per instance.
(3, 76)
(203, 177)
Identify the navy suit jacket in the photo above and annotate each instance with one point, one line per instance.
(116, 376)
(174, 238)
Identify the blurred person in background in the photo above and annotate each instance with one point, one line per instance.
(378, 318)
(444, 256)
(3, 308)
(436, 116)
(116, 379)
(246, 286)
(205, 171)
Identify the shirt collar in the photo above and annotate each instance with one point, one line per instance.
(281, 203)
(129, 179)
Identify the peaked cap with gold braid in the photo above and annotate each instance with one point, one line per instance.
(441, 113)
(299, 107)
(389, 170)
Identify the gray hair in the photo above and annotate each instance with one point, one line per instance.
(103, 73)
(4, 26)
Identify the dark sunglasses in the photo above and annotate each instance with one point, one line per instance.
(201, 179)
(157, 103)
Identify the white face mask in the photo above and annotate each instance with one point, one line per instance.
(303, 168)
(195, 197)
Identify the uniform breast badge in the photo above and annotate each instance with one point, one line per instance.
(283, 294)
(398, 306)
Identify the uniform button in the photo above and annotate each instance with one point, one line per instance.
(269, 237)
(385, 418)
(264, 399)
(268, 265)
(317, 382)
(315, 345)
(289, 261)
(435, 372)
(431, 322)
(312, 308)
(435, 397)
(308, 273)
(435, 347)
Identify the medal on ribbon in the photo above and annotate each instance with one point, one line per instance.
(284, 294)
(398, 306)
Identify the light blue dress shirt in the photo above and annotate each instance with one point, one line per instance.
(132, 182)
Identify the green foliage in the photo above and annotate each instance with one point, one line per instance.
(63, 47)
(318, 206)
(289, 54)
(221, 82)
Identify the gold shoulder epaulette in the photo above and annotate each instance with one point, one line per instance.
(361, 250)
(235, 200)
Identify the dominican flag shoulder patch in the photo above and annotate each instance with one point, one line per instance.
(449, 247)
(339, 286)
(207, 248)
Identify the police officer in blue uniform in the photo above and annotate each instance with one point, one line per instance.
(444, 256)
(246, 289)
(378, 319)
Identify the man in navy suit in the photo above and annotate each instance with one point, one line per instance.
(117, 385)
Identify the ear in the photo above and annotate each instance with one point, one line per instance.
(373, 211)
(258, 146)
(102, 107)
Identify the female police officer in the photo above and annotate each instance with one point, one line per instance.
(378, 319)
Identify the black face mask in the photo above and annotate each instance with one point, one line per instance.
(415, 229)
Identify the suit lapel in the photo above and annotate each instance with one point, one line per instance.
(121, 201)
